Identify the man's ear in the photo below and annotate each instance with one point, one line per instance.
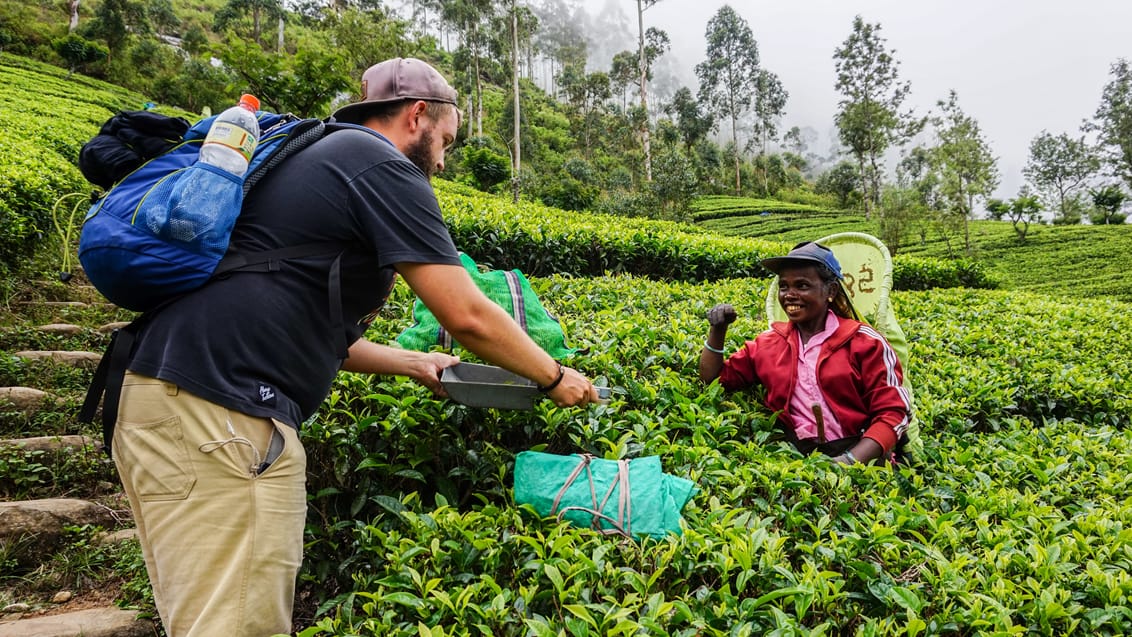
(414, 113)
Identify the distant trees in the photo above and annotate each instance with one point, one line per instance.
(1021, 211)
(1107, 203)
(727, 77)
(963, 162)
(1113, 121)
(1059, 167)
(769, 106)
(869, 118)
(78, 51)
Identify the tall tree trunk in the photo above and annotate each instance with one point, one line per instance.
(644, 90)
(515, 157)
(279, 36)
(866, 181)
(735, 145)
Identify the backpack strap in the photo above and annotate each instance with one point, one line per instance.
(271, 260)
(108, 379)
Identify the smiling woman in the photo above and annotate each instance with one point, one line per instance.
(835, 382)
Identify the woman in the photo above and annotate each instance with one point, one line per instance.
(835, 382)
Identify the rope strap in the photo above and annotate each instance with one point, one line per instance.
(622, 525)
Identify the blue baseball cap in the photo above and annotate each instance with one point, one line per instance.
(804, 253)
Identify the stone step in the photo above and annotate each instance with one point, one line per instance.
(33, 529)
(88, 360)
(66, 329)
(52, 443)
(26, 399)
(90, 622)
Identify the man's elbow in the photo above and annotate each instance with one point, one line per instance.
(472, 325)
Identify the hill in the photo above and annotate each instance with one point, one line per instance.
(1013, 521)
(1070, 261)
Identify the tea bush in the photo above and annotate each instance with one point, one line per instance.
(996, 529)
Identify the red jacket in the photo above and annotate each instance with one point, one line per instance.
(858, 372)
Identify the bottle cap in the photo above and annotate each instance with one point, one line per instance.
(250, 101)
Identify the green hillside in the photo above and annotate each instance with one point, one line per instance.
(1069, 261)
(1014, 520)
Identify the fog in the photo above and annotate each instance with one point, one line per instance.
(1019, 66)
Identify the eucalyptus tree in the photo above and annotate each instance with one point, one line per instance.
(966, 168)
(727, 77)
(560, 38)
(1113, 121)
(643, 62)
(1058, 168)
(470, 19)
(869, 118)
(623, 74)
(769, 106)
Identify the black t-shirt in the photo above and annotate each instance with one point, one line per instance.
(262, 343)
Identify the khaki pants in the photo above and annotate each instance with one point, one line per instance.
(222, 543)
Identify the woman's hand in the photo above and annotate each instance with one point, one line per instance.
(722, 315)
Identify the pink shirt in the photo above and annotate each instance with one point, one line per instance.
(806, 390)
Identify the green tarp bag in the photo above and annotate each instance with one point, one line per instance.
(632, 498)
(510, 290)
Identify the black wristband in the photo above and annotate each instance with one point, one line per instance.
(561, 374)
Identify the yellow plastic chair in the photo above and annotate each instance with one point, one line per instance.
(867, 267)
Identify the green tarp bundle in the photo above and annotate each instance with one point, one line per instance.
(633, 498)
(510, 290)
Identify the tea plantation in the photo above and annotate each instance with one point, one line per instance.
(1015, 520)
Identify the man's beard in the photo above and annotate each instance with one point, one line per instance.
(420, 153)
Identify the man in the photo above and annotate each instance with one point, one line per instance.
(207, 438)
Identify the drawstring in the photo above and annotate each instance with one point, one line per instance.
(213, 445)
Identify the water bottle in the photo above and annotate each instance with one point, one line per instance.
(232, 138)
(204, 201)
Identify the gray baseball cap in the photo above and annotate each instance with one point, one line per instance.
(396, 80)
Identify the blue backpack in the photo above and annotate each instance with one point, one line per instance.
(137, 270)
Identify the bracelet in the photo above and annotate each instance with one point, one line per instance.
(712, 349)
(561, 375)
(849, 454)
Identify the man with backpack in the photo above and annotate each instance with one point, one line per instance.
(220, 379)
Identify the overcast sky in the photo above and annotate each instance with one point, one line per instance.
(1019, 66)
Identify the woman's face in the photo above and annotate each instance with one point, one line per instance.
(802, 294)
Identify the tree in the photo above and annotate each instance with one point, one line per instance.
(643, 62)
(304, 83)
(78, 51)
(1107, 202)
(1058, 167)
(623, 73)
(843, 181)
(234, 11)
(963, 162)
(728, 75)
(869, 119)
(1021, 211)
(690, 122)
(1113, 121)
(900, 210)
(114, 21)
(769, 106)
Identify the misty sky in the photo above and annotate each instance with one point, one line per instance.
(1019, 66)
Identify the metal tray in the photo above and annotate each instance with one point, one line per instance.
(489, 386)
